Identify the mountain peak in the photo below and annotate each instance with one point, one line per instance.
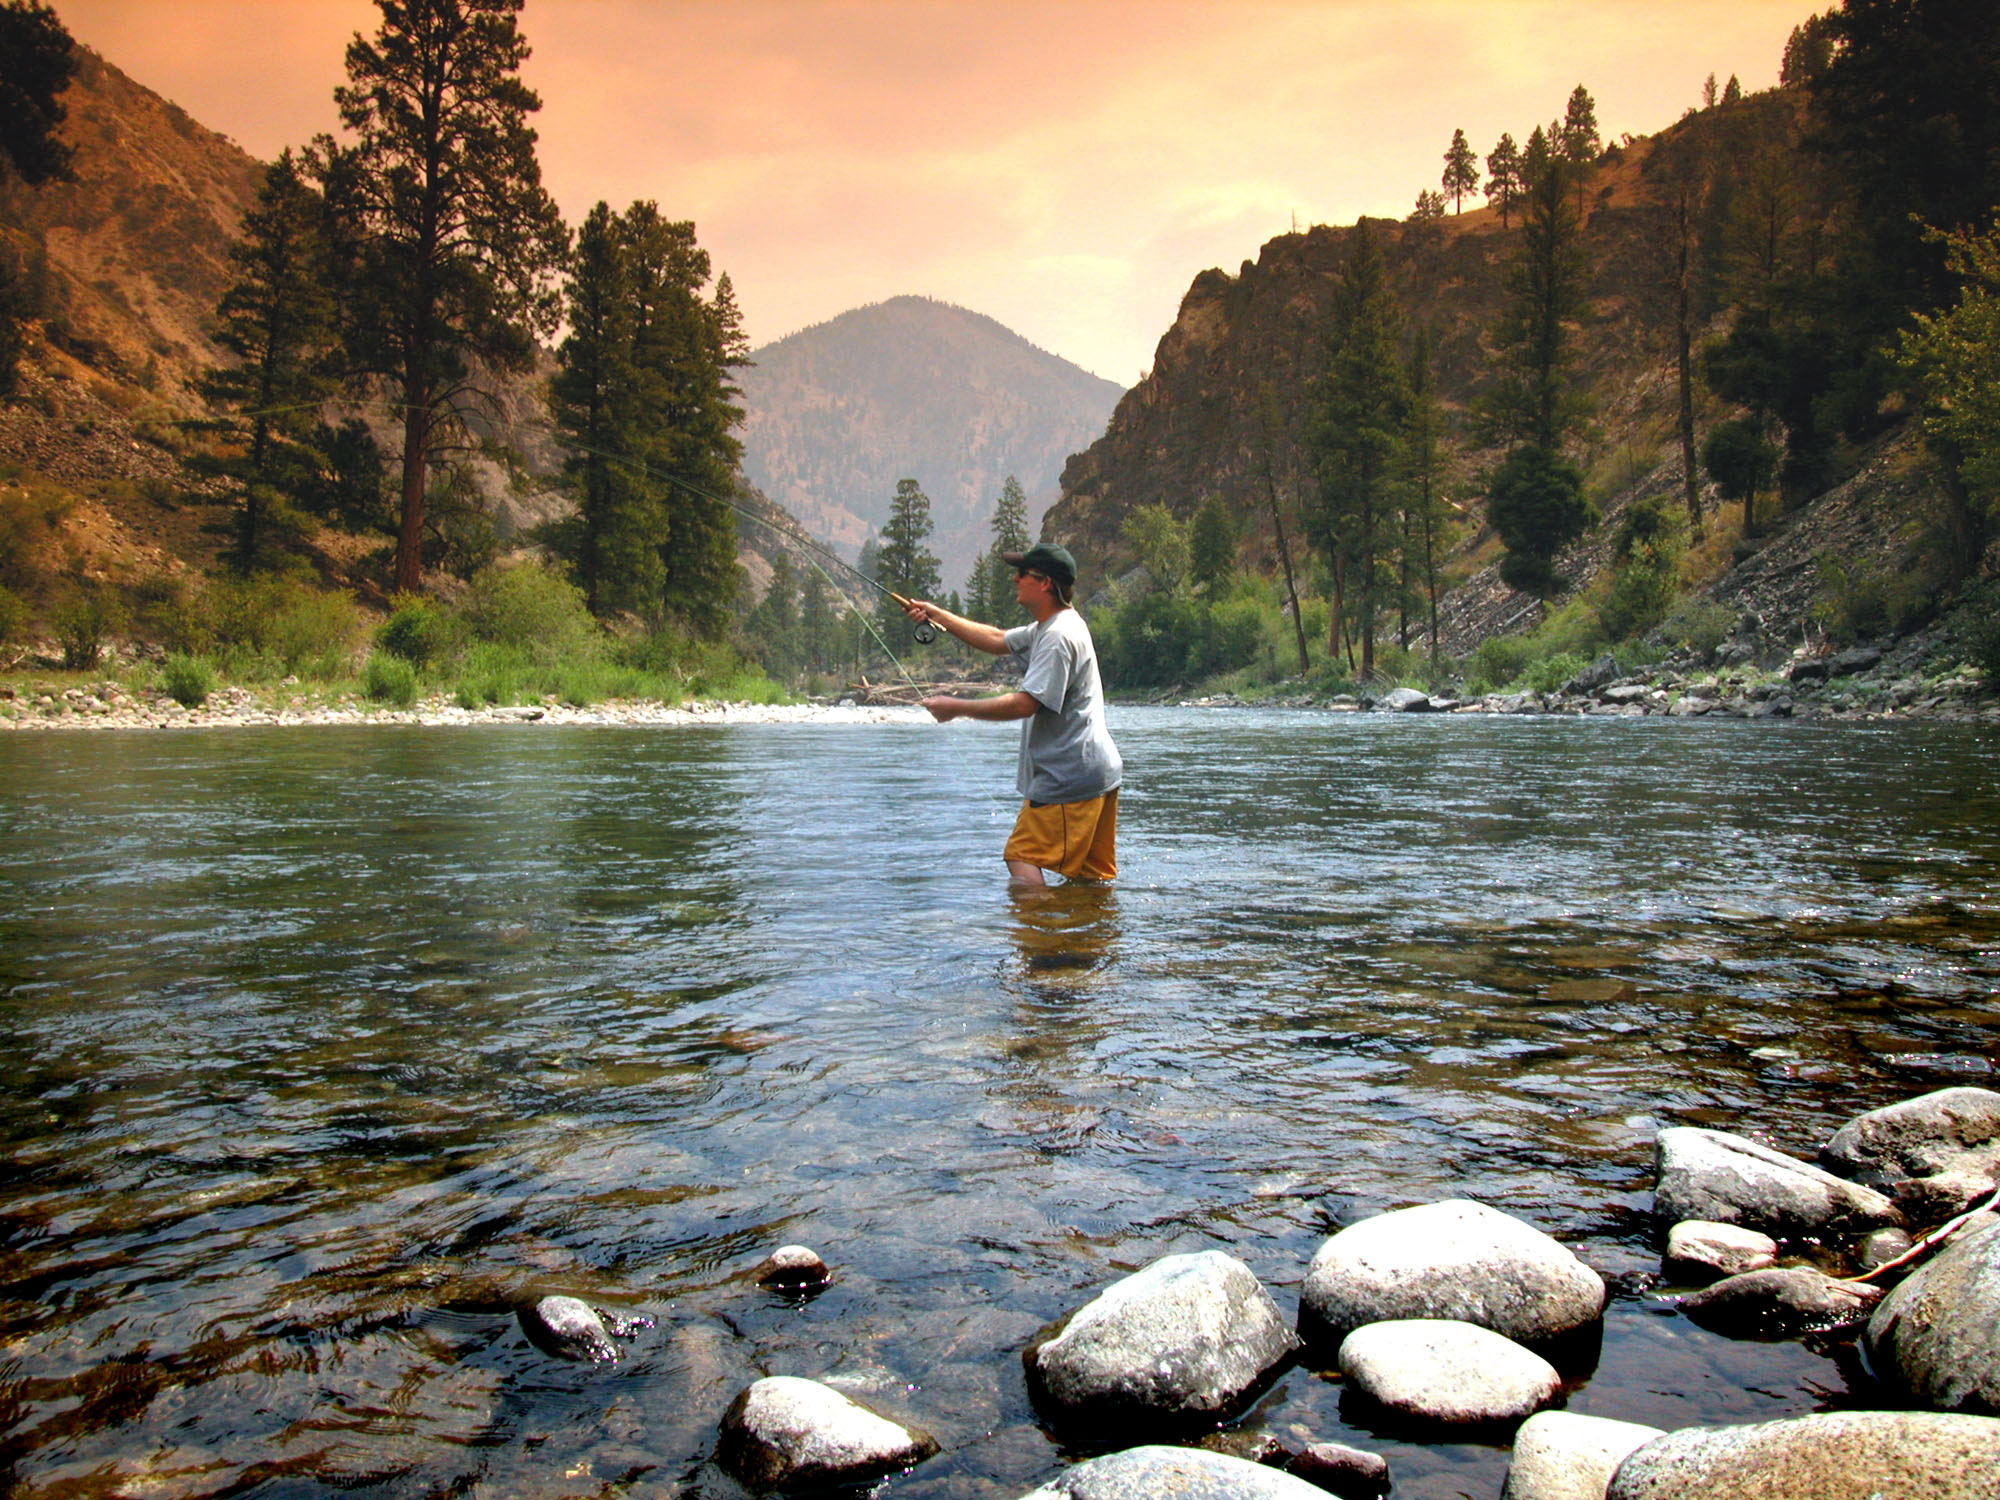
(913, 388)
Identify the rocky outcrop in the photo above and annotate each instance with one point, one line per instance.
(1185, 1341)
(1711, 1174)
(1559, 1455)
(1858, 1455)
(785, 1433)
(1157, 1473)
(1438, 1370)
(1454, 1260)
(1937, 1335)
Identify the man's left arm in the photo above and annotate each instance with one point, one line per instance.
(999, 710)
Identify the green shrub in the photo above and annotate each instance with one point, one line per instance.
(1699, 626)
(417, 631)
(83, 621)
(188, 680)
(1972, 632)
(313, 634)
(1498, 661)
(269, 626)
(533, 609)
(1858, 599)
(1550, 673)
(389, 679)
(13, 616)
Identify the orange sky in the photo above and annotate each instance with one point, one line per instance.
(1064, 167)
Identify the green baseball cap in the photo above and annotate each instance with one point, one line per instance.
(1052, 562)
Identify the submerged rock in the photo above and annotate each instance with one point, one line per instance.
(1559, 1455)
(1454, 1260)
(793, 1268)
(1441, 1370)
(1188, 1339)
(572, 1329)
(1162, 1473)
(787, 1433)
(1781, 1302)
(1936, 1155)
(1699, 1247)
(1724, 1178)
(1852, 1455)
(1937, 1335)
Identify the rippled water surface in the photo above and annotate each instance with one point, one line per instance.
(324, 1049)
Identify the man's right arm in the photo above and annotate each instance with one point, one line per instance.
(988, 638)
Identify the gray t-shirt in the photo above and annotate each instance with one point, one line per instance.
(1066, 752)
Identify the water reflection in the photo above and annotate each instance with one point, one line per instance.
(325, 1051)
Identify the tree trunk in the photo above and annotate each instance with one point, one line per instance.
(416, 443)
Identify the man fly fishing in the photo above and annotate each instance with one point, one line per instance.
(1069, 768)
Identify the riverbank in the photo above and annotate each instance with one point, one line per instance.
(112, 705)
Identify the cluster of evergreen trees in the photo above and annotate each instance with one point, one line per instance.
(415, 265)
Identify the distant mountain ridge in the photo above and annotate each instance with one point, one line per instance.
(914, 388)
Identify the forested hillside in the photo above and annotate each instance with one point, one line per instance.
(1598, 397)
(915, 389)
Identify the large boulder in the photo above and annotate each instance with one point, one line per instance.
(1456, 1259)
(1935, 1155)
(1158, 1473)
(1781, 1302)
(1187, 1340)
(1850, 1455)
(1938, 1333)
(1713, 1175)
(1559, 1455)
(784, 1433)
(1441, 1370)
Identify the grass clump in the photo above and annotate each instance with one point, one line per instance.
(389, 679)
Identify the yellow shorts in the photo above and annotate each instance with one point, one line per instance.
(1075, 839)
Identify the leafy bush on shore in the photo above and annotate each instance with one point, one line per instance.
(188, 680)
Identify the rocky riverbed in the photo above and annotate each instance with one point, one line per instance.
(112, 705)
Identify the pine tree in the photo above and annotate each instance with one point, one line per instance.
(1503, 176)
(1536, 500)
(1461, 171)
(1676, 183)
(446, 241)
(1010, 534)
(1357, 436)
(1425, 529)
(1807, 52)
(1212, 547)
(277, 319)
(822, 644)
(903, 564)
(1574, 139)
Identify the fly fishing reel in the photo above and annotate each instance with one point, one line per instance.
(924, 633)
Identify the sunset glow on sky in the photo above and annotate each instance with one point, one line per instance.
(1066, 168)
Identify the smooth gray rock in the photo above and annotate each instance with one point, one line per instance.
(1781, 1302)
(1938, 1333)
(1352, 1473)
(1701, 1248)
(1404, 700)
(1592, 677)
(787, 1433)
(1162, 1473)
(1711, 1174)
(1852, 1455)
(1560, 1455)
(1189, 1338)
(1456, 1259)
(1441, 1370)
(1936, 1155)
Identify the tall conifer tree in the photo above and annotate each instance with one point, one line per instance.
(446, 240)
(1461, 171)
(1358, 434)
(904, 565)
(277, 318)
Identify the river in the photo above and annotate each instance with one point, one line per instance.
(324, 1048)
